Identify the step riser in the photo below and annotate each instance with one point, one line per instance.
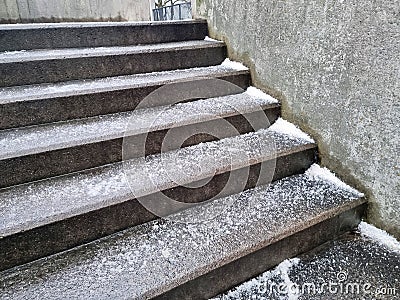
(46, 240)
(250, 266)
(26, 113)
(54, 163)
(57, 70)
(100, 36)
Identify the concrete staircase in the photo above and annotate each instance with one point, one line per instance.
(73, 225)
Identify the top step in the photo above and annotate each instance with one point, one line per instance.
(98, 34)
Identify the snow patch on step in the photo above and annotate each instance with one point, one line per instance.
(234, 65)
(285, 127)
(259, 94)
(284, 269)
(317, 172)
(380, 236)
(207, 38)
(263, 283)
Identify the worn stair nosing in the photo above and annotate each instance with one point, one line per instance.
(308, 202)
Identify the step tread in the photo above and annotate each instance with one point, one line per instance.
(69, 53)
(31, 205)
(53, 136)
(355, 257)
(150, 259)
(92, 86)
(36, 26)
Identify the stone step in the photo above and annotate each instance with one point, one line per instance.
(180, 258)
(358, 265)
(46, 66)
(45, 103)
(38, 152)
(98, 34)
(48, 216)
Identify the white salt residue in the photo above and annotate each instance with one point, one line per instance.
(207, 38)
(380, 236)
(234, 65)
(315, 171)
(256, 93)
(285, 127)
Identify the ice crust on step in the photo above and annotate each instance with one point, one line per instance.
(380, 236)
(285, 127)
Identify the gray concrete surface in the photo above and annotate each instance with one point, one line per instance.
(335, 66)
(13, 11)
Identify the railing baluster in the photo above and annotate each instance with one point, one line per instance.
(161, 13)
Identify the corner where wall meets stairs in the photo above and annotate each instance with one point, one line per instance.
(336, 70)
(138, 162)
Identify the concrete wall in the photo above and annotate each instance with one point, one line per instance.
(12, 11)
(335, 66)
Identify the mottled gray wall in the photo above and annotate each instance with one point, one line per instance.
(335, 66)
(73, 10)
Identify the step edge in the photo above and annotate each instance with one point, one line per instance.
(81, 53)
(112, 88)
(277, 236)
(121, 133)
(330, 213)
(81, 210)
(84, 25)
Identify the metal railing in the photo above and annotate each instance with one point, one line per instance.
(180, 11)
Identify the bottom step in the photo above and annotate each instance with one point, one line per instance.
(253, 231)
(355, 266)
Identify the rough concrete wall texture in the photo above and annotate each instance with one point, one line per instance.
(335, 67)
(12, 11)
